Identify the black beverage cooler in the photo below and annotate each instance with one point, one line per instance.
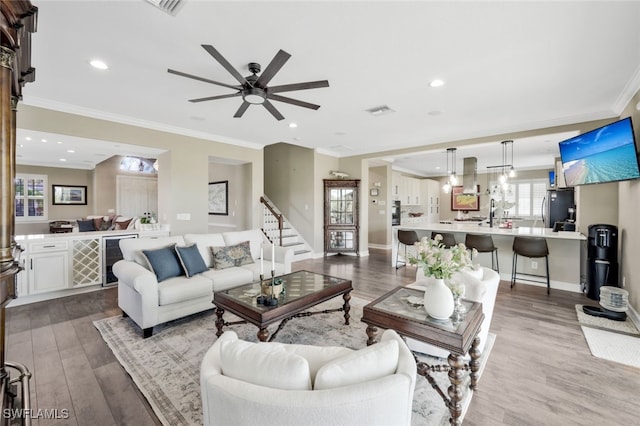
(602, 260)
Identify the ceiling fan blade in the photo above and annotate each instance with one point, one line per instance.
(218, 57)
(274, 66)
(242, 109)
(293, 101)
(298, 86)
(206, 80)
(213, 98)
(269, 106)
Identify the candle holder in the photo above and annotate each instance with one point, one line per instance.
(269, 295)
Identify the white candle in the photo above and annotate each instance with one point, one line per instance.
(273, 257)
(261, 261)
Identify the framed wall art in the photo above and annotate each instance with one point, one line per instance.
(71, 195)
(464, 202)
(219, 197)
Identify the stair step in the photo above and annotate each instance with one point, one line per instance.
(292, 244)
(298, 252)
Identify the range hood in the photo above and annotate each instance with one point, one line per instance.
(470, 176)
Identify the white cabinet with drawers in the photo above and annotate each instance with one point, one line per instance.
(48, 266)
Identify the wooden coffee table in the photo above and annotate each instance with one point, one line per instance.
(393, 311)
(303, 290)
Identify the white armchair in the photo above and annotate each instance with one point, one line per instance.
(286, 384)
(482, 290)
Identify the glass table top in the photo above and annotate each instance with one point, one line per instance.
(296, 285)
(408, 303)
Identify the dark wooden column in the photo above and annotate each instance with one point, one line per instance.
(17, 22)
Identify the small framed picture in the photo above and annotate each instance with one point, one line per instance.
(374, 192)
(69, 195)
(218, 197)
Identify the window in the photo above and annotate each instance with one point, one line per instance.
(31, 197)
(528, 196)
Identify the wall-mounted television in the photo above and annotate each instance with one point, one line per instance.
(605, 154)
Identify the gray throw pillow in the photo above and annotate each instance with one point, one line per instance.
(230, 256)
(164, 262)
(191, 260)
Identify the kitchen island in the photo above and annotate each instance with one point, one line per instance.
(567, 250)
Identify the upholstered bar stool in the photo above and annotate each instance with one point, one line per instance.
(483, 244)
(407, 238)
(448, 240)
(531, 247)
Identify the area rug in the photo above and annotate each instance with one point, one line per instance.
(166, 366)
(626, 326)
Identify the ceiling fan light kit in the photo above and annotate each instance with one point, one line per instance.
(254, 89)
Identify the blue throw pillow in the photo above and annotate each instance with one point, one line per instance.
(164, 262)
(86, 225)
(191, 260)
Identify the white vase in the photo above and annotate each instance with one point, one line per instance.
(438, 300)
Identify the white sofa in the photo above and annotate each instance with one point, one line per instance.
(149, 302)
(280, 384)
(483, 290)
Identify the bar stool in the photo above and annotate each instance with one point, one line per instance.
(448, 240)
(483, 244)
(408, 238)
(531, 247)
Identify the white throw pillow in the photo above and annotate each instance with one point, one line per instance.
(265, 364)
(370, 363)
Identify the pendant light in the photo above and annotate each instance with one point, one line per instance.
(451, 170)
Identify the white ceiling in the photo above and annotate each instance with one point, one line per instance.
(508, 67)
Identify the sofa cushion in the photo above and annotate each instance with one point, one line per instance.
(254, 236)
(233, 255)
(265, 364)
(164, 262)
(317, 356)
(86, 225)
(190, 260)
(179, 289)
(204, 243)
(370, 363)
(132, 247)
(224, 279)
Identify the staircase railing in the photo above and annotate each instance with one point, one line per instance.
(272, 222)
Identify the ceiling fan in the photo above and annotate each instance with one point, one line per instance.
(254, 89)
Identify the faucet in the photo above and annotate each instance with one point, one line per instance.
(491, 212)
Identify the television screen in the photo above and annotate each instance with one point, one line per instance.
(606, 154)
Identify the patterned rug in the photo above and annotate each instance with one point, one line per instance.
(166, 366)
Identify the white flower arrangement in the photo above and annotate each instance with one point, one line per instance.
(438, 261)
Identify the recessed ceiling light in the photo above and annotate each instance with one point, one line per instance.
(59, 143)
(63, 159)
(28, 138)
(70, 151)
(436, 83)
(44, 140)
(293, 125)
(97, 63)
(434, 113)
(21, 146)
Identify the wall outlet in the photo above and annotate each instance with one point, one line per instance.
(624, 281)
(534, 264)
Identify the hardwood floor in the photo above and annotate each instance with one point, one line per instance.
(540, 371)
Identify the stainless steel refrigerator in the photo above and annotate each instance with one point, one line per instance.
(556, 205)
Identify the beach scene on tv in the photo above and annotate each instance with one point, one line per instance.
(603, 155)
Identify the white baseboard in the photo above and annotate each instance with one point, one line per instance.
(34, 298)
(557, 285)
(380, 246)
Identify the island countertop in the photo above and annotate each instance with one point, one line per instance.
(567, 250)
(483, 228)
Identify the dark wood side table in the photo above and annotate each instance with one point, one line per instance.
(393, 311)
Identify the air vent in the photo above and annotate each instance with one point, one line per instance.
(380, 110)
(169, 6)
(470, 177)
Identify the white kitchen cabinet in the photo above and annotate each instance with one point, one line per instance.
(433, 201)
(48, 266)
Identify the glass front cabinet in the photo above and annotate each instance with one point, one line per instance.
(341, 225)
